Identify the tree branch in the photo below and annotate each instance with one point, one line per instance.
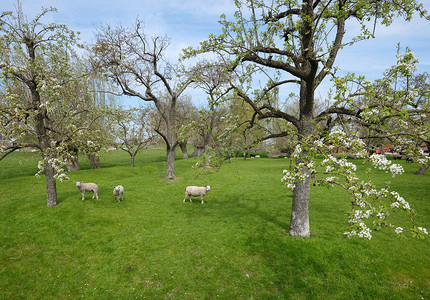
(10, 149)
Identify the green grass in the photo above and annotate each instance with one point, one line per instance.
(235, 246)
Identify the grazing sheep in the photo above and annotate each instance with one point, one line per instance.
(196, 191)
(87, 187)
(118, 192)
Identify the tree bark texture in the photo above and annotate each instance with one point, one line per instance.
(299, 224)
(170, 170)
(51, 185)
(132, 156)
(184, 150)
(74, 164)
(422, 170)
(94, 161)
(198, 151)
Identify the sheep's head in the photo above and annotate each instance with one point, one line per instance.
(78, 183)
(208, 188)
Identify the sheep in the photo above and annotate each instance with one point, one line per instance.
(196, 191)
(118, 192)
(87, 187)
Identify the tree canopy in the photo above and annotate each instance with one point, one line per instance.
(296, 43)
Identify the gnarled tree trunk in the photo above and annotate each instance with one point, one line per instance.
(74, 164)
(422, 170)
(183, 146)
(94, 161)
(170, 170)
(198, 151)
(132, 156)
(51, 185)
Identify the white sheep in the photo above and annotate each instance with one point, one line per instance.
(87, 187)
(196, 191)
(118, 192)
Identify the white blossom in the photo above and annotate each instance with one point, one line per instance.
(298, 150)
(365, 232)
(396, 169)
(423, 230)
(382, 163)
(331, 179)
(289, 179)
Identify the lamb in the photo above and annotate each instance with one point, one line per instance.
(87, 187)
(196, 191)
(118, 192)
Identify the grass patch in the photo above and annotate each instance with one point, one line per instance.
(235, 246)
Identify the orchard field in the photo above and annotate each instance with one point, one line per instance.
(235, 246)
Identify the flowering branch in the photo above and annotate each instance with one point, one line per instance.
(370, 206)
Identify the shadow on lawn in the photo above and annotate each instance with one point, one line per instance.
(254, 210)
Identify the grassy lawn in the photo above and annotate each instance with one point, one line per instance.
(235, 246)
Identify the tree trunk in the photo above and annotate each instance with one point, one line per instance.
(299, 225)
(132, 160)
(199, 150)
(170, 172)
(382, 149)
(422, 170)
(184, 150)
(74, 164)
(51, 185)
(94, 161)
(44, 141)
(245, 155)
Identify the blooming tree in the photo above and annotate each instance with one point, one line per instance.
(32, 55)
(370, 206)
(395, 108)
(42, 91)
(281, 44)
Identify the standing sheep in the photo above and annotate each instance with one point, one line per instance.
(196, 191)
(87, 187)
(118, 192)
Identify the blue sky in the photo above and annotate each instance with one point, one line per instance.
(187, 22)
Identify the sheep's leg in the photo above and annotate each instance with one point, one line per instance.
(189, 196)
(95, 194)
(202, 199)
(83, 195)
(185, 197)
